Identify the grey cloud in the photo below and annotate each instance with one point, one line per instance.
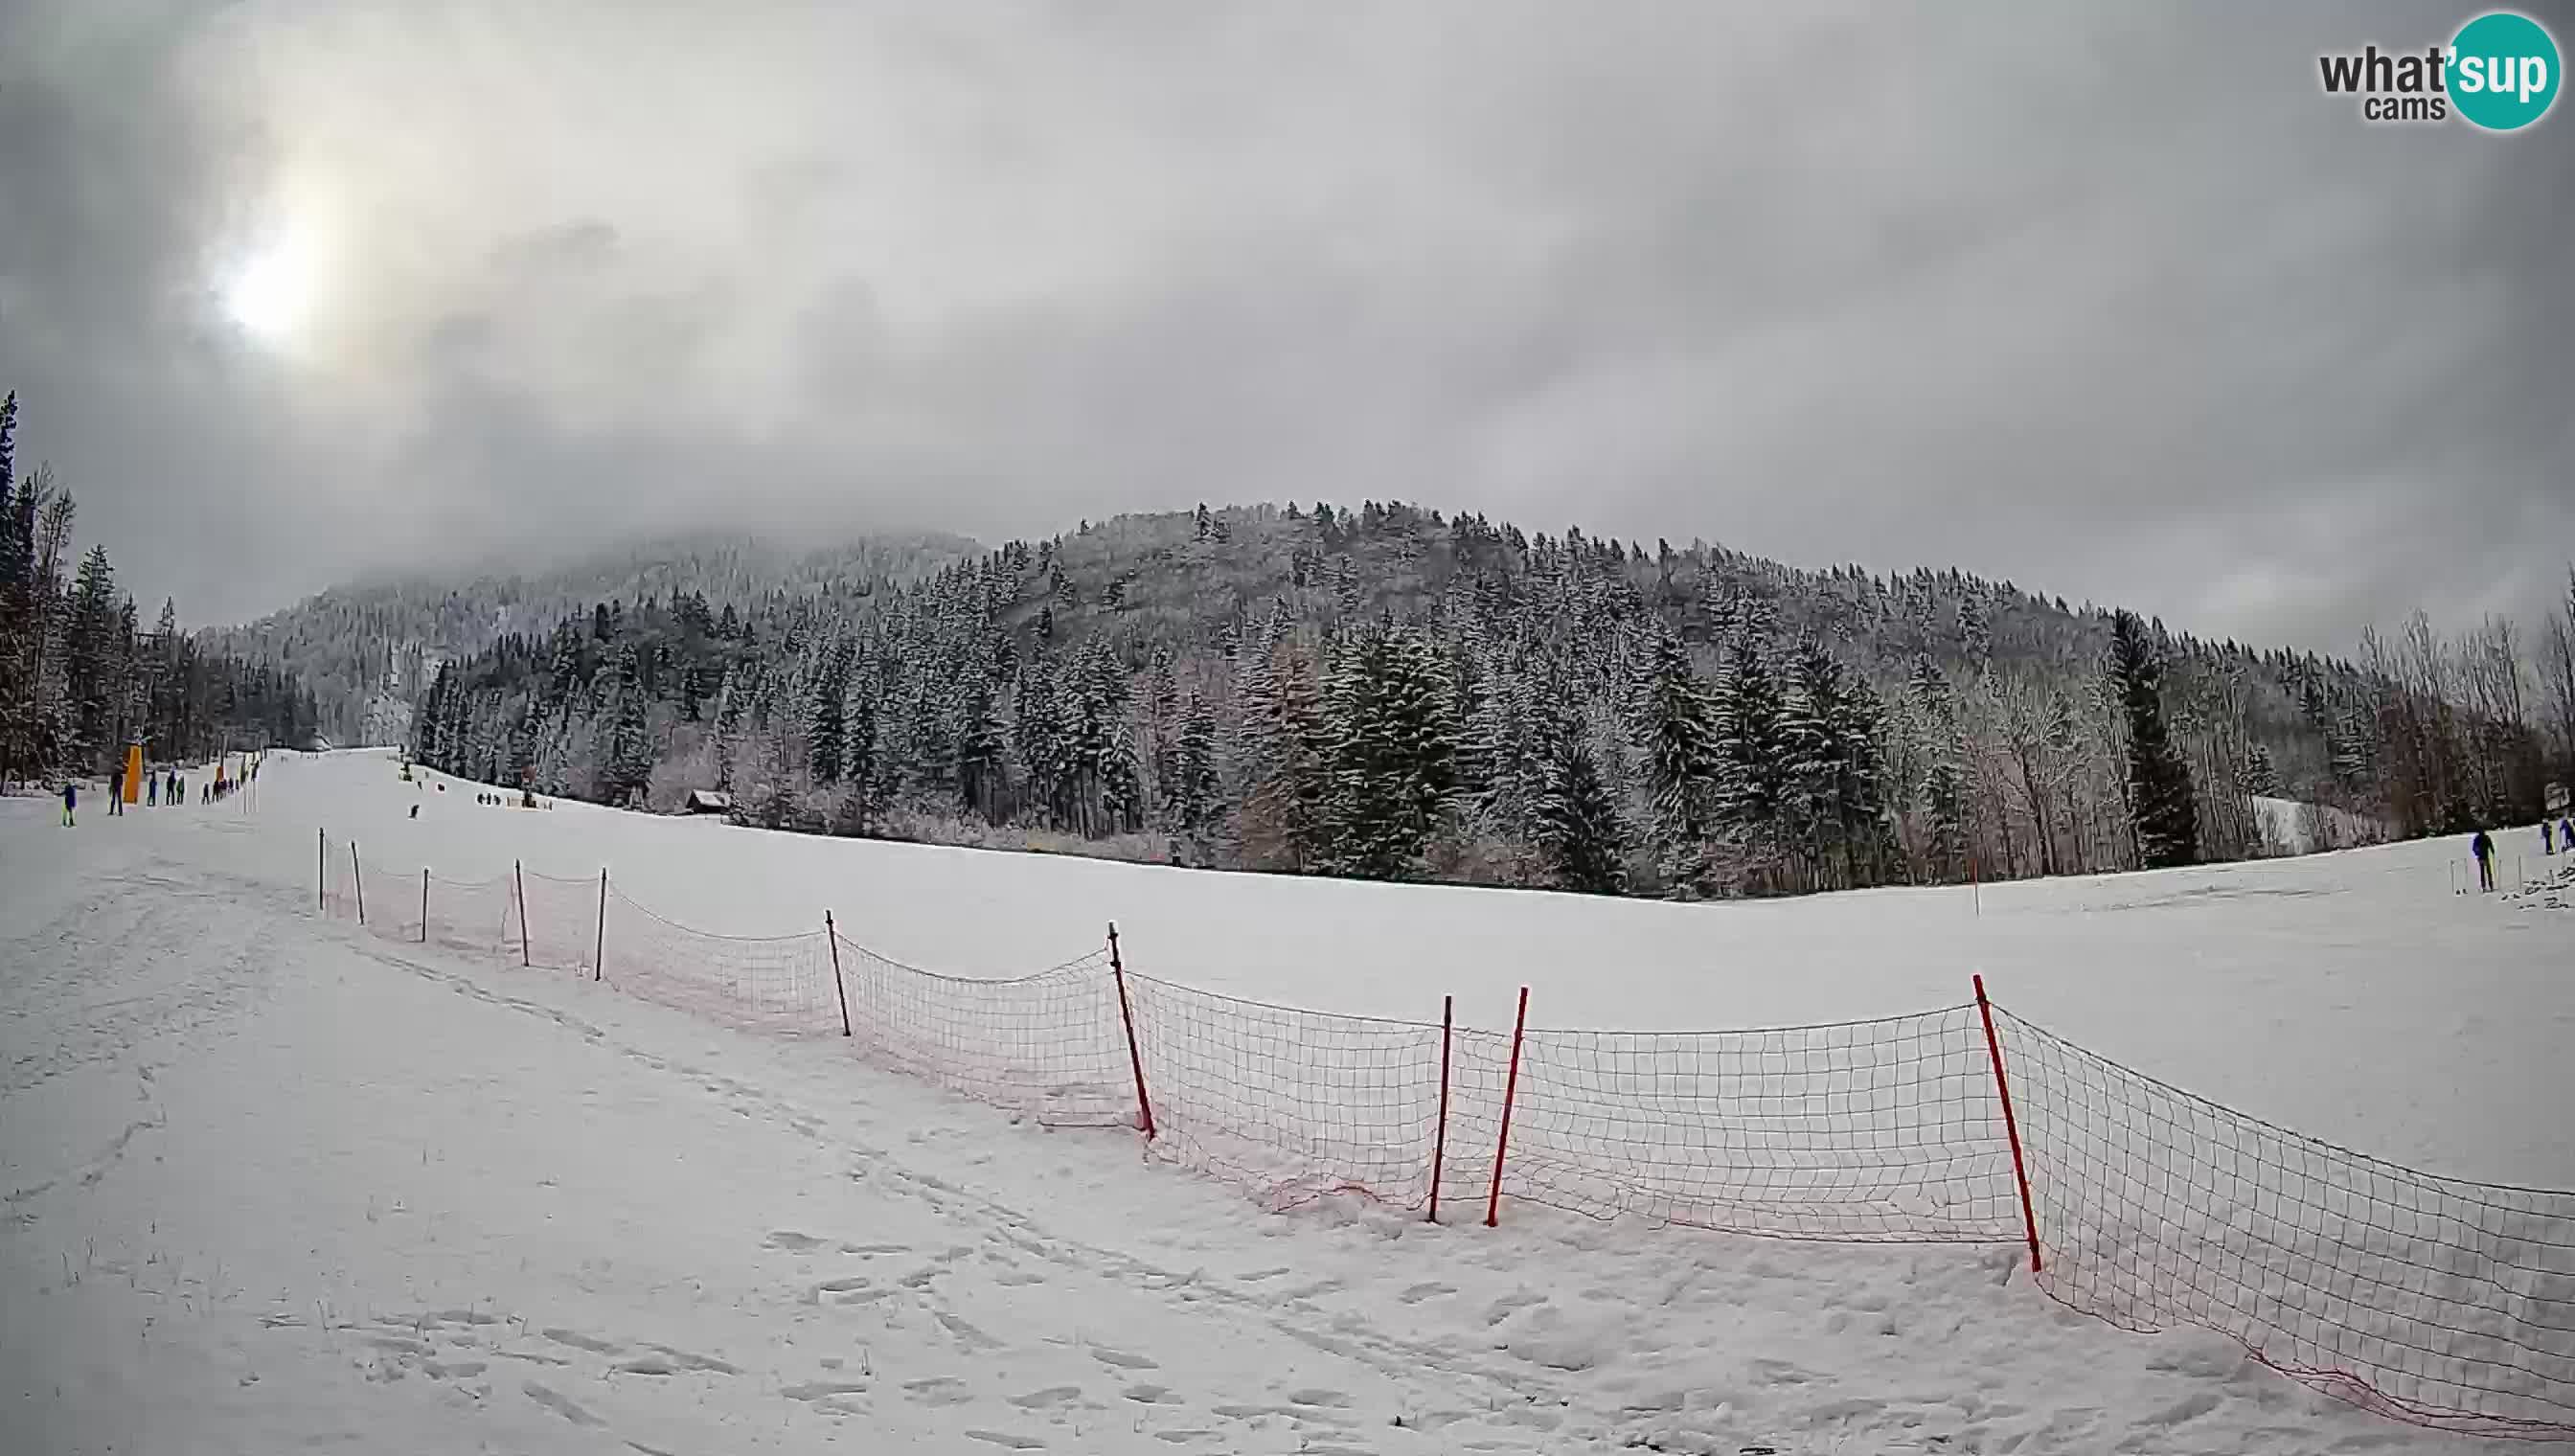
(2109, 301)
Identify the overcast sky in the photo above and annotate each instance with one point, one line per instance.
(2109, 300)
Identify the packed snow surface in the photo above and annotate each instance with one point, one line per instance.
(271, 1184)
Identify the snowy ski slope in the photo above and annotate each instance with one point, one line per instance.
(273, 1183)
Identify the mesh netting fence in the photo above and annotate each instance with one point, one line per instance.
(1295, 1103)
(1046, 1046)
(2427, 1299)
(2430, 1299)
(772, 984)
(1874, 1131)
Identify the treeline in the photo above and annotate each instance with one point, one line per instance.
(1392, 694)
(80, 680)
(368, 650)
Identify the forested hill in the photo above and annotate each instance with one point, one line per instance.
(367, 649)
(1388, 691)
(81, 678)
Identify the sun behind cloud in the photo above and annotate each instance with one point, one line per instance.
(269, 293)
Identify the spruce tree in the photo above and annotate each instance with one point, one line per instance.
(1577, 823)
(2165, 813)
(1197, 789)
(1680, 734)
(825, 722)
(1751, 782)
(628, 767)
(1394, 750)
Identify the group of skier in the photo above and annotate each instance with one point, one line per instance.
(2551, 836)
(168, 787)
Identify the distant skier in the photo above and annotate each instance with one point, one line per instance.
(2566, 834)
(2483, 849)
(415, 810)
(71, 801)
(115, 789)
(151, 790)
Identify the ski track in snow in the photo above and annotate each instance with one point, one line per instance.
(270, 1185)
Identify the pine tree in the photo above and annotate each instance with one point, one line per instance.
(1394, 750)
(93, 663)
(1815, 755)
(629, 770)
(1680, 734)
(1198, 787)
(1751, 782)
(980, 744)
(1943, 787)
(2262, 777)
(825, 722)
(2165, 814)
(1577, 823)
(861, 762)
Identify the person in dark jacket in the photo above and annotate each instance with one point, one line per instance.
(2548, 838)
(2483, 849)
(71, 801)
(116, 790)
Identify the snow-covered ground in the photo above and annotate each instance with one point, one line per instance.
(270, 1183)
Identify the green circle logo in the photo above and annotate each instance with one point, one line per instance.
(2503, 71)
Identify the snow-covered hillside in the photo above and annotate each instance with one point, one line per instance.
(2297, 827)
(273, 1183)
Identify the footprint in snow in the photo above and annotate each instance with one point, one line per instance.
(938, 1390)
(1053, 1395)
(561, 1404)
(1333, 1398)
(1123, 1360)
(1421, 1292)
(580, 1341)
(966, 1333)
(822, 1389)
(1004, 1439)
(788, 1238)
(688, 1361)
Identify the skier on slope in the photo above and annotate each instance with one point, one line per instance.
(151, 790)
(115, 790)
(2483, 849)
(71, 801)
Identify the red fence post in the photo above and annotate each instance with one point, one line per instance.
(1511, 1090)
(832, 934)
(2011, 1124)
(519, 876)
(1439, 1143)
(424, 905)
(599, 948)
(358, 878)
(1135, 1058)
